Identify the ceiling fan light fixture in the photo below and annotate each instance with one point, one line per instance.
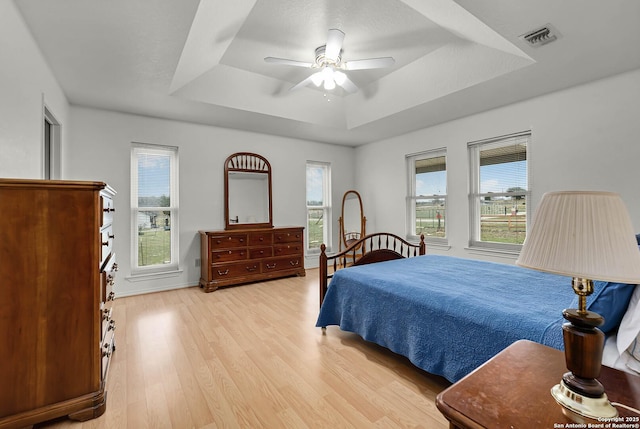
(317, 78)
(329, 64)
(339, 77)
(329, 84)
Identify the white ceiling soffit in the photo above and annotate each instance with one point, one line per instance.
(203, 60)
(451, 47)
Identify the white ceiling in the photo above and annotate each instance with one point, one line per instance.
(202, 60)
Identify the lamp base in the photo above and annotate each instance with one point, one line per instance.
(593, 408)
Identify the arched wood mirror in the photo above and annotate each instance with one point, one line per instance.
(352, 219)
(247, 191)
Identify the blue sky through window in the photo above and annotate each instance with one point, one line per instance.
(154, 175)
(500, 177)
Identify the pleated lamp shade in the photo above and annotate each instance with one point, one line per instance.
(583, 234)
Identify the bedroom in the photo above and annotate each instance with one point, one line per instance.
(584, 137)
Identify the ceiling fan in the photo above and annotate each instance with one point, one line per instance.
(330, 66)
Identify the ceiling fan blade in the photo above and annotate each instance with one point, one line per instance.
(335, 38)
(346, 83)
(287, 62)
(315, 78)
(371, 63)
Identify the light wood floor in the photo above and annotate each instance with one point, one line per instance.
(251, 357)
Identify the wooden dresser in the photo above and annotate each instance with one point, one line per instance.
(238, 256)
(57, 271)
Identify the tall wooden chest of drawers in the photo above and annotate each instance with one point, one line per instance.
(57, 270)
(238, 256)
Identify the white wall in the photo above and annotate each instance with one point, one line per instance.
(99, 149)
(26, 82)
(583, 138)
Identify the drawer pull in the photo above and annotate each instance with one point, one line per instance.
(107, 315)
(112, 325)
(107, 210)
(271, 266)
(251, 269)
(223, 273)
(115, 267)
(105, 243)
(112, 296)
(294, 263)
(111, 236)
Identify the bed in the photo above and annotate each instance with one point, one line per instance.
(448, 315)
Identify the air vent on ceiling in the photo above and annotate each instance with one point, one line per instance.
(540, 36)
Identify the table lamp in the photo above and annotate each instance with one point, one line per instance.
(587, 236)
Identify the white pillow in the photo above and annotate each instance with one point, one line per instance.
(629, 331)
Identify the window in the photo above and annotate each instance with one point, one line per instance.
(318, 206)
(499, 192)
(154, 205)
(427, 196)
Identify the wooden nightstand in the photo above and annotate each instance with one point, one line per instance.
(512, 390)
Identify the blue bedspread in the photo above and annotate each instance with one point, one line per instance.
(447, 315)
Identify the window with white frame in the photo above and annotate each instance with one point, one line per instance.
(318, 206)
(154, 208)
(499, 191)
(427, 195)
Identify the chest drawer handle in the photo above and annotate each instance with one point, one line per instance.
(271, 266)
(223, 273)
(106, 350)
(112, 296)
(251, 269)
(107, 210)
(294, 263)
(111, 236)
(112, 325)
(105, 243)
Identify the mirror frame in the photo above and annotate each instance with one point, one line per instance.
(363, 220)
(246, 162)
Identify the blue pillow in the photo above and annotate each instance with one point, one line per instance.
(610, 300)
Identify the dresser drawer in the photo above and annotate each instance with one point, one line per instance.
(228, 255)
(261, 252)
(224, 271)
(278, 264)
(227, 241)
(107, 349)
(260, 238)
(288, 236)
(106, 243)
(107, 208)
(287, 249)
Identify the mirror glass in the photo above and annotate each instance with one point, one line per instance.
(248, 197)
(247, 186)
(352, 221)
